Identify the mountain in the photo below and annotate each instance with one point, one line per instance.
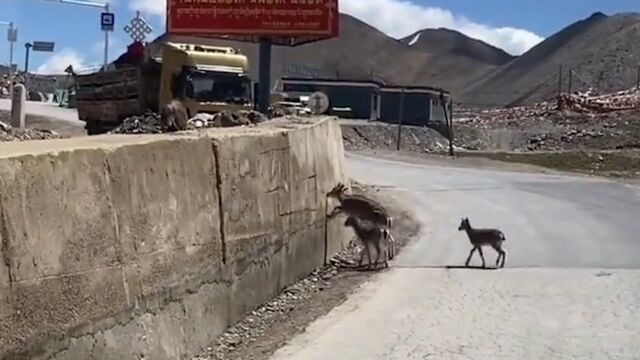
(361, 52)
(445, 41)
(600, 52)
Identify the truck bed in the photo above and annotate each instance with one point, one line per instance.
(111, 96)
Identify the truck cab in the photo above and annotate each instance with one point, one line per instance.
(207, 79)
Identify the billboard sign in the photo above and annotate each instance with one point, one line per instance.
(308, 19)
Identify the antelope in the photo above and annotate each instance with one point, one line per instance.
(363, 208)
(369, 233)
(484, 237)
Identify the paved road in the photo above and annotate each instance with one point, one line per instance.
(46, 109)
(571, 289)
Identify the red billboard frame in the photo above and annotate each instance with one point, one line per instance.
(285, 22)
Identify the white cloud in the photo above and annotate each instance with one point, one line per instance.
(58, 62)
(400, 18)
(151, 7)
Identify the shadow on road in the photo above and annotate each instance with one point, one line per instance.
(447, 267)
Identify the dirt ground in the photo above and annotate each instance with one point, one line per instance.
(269, 327)
(35, 122)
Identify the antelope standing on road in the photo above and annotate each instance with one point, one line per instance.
(370, 234)
(484, 237)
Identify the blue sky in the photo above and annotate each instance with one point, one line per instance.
(509, 24)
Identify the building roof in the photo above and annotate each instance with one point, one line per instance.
(367, 83)
(415, 89)
(333, 82)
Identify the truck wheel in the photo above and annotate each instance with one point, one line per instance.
(95, 128)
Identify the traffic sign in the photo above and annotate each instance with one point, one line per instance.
(12, 34)
(318, 103)
(44, 46)
(107, 21)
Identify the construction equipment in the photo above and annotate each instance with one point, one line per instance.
(207, 79)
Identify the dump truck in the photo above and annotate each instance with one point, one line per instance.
(207, 79)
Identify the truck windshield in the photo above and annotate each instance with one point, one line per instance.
(223, 87)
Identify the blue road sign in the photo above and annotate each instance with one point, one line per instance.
(107, 21)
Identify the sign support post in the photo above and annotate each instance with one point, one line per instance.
(27, 47)
(264, 92)
(106, 22)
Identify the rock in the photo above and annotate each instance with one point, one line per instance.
(253, 116)
(201, 121)
(229, 119)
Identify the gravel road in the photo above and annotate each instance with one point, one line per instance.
(570, 289)
(49, 110)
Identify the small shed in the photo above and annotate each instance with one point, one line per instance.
(422, 104)
(361, 97)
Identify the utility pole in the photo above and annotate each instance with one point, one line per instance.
(570, 80)
(448, 119)
(400, 118)
(264, 76)
(100, 5)
(560, 80)
(12, 37)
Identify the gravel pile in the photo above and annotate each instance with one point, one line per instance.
(9, 133)
(385, 137)
(149, 122)
(227, 119)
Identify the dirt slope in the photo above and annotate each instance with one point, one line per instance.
(602, 50)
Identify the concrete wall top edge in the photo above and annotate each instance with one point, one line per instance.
(113, 141)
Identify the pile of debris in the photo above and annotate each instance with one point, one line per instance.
(592, 103)
(490, 118)
(581, 105)
(369, 136)
(9, 133)
(150, 122)
(227, 119)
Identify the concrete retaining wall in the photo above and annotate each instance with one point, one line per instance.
(122, 247)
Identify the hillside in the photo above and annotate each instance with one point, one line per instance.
(363, 52)
(445, 41)
(602, 50)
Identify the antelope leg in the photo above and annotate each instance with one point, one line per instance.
(482, 257)
(470, 255)
(337, 210)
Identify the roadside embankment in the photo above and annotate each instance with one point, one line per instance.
(120, 247)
